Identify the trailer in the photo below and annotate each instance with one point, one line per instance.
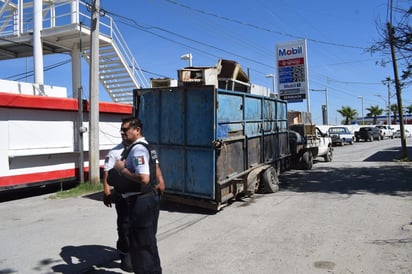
(215, 144)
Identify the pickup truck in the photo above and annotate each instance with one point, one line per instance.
(308, 142)
(340, 135)
(368, 134)
(386, 131)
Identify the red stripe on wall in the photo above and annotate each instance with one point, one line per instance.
(7, 181)
(55, 103)
(32, 178)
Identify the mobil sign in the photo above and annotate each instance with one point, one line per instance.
(292, 70)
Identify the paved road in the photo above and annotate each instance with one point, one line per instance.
(352, 215)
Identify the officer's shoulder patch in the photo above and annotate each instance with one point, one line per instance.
(139, 160)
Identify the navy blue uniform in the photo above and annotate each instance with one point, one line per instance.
(143, 209)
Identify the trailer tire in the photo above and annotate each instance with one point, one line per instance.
(270, 180)
(307, 160)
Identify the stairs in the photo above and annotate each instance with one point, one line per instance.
(119, 72)
(115, 75)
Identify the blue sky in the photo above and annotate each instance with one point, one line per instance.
(158, 32)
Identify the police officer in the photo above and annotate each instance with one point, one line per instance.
(142, 200)
(110, 195)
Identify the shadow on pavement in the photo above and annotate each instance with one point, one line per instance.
(388, 155)
(35, 190)
(388, 180)
(84, 259)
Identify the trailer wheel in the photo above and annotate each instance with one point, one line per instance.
(270, 180)
(307, 160)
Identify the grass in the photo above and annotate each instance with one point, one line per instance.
(79, 190)
(405, 159)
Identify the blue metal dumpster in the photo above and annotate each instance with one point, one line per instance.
(214, 144)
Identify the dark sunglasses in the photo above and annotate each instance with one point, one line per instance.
(124, 129)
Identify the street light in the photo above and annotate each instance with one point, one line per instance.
(387, 109)
(187, 56)
(326, 119)
(363, 117)
(273, 82)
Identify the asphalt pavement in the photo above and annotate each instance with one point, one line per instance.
(71, 235)
(341, 217)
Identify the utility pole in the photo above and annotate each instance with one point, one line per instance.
(94, 172)
(404, 152)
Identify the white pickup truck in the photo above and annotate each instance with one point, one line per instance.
(308, 142)
(386, 131)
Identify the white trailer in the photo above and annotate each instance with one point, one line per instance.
(38, 140)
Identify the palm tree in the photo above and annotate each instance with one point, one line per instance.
(394, 109)
(409, 109)
(374, 111)
(349, 113)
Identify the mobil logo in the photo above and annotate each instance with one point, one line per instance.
(290, 51)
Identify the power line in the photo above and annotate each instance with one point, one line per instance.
(31, 73)
(146, 29)
(261, 28)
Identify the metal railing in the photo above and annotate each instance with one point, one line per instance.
(17, 20)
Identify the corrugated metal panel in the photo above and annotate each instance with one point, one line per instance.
(206, 136)
(180, 123)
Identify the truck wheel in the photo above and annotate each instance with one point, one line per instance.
(329, 155)
(270, 180)
(307, 160)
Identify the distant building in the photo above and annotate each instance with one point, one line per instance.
(382, 119)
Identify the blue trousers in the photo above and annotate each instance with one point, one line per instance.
(122, 211)
(143, 218)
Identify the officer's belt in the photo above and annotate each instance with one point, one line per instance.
(139, 194)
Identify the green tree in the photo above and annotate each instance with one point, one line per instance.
(402, 36)
(397, 37)
(394, 109)
(374, 111)
(409, 110)
(349, 114)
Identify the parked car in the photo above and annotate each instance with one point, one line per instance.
(368, 134)
(340, 135)
(397, 134)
